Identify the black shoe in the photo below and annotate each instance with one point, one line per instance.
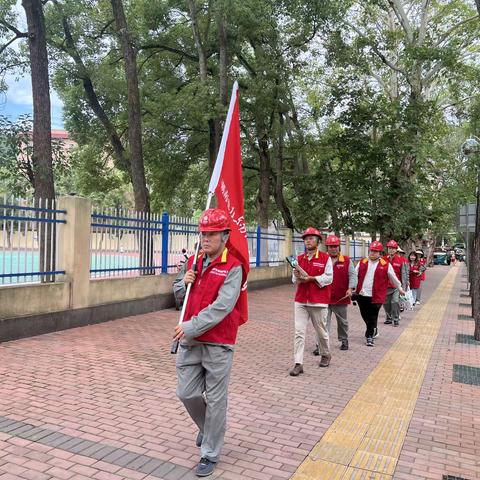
(316, 352)
(375, 333)
(387, 322)
(296, 370)
(199, 440)
(395, 323)
(369, 342)
(344, 345)
(205, 467)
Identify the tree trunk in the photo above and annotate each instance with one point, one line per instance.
(142, 198)
(42, 141)
(476, 267)
(477, 2)
(213, 124)
(122, 161)
(263, 196)
(278, 177)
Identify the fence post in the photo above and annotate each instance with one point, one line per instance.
(165, 232)
(74, 248)
(258, 260)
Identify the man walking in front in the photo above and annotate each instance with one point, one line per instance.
(344, 282)
(402, 271)
(208, 335)
(312, 298)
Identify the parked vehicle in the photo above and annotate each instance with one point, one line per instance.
(440, 258)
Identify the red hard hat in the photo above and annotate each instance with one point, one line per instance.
(312, 231)
(333, 241)
(392, 243)
(376, 246)
(214, 220)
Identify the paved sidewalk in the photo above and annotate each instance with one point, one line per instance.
(99, 402)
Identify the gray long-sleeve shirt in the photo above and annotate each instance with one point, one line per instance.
(352, 276)
(215, 312)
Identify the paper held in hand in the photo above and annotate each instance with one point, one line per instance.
(294, 264)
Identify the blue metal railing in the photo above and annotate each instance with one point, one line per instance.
(28, 242)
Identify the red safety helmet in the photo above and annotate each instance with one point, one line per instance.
(333, 241)
(214, 220)
(376, 246)
(392, 243)
(312, 231)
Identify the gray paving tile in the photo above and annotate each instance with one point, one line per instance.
(163, 469)
(102, 453)
(177, 473)
(468, 339)
(150, 466)
(466, 374)
(465, 317)
(138, 462)
(116, 454)
(126, 459)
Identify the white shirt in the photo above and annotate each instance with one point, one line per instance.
(326, 278)
(367, 286)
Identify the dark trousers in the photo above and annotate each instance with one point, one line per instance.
(369, 312)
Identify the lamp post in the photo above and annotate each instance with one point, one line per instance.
(471, 146)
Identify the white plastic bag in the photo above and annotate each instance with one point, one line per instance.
(408, 300)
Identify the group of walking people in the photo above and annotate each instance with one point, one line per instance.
(325, 282)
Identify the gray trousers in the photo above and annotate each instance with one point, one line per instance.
(340, 312)
(392, 304)
(318, 317)
(205, 369)
(419, 293)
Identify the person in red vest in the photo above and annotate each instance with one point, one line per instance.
(415, 274)
(208, 335)
(401, 269)
(344, 282)
(374, 274)
(423, 267)
(312, 298)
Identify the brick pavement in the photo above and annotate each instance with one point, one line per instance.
(98, 402)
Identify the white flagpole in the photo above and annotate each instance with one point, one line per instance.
(217, 170)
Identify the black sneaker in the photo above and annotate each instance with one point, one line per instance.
(316, 352)
(375, 333)
(369, 342)
(205, 467)
(395, 323)
(387, 322)
(344, 345)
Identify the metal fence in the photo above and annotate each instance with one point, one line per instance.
(28, 246)
(128, 243)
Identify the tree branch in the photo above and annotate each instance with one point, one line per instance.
(449, 31)
(4, 47)
(13, 29)
(423, 23)
(169, 49)
(377, 51)
(402, 18)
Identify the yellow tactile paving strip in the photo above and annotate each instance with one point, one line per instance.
(366, 439)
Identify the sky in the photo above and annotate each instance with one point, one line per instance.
(17, 100)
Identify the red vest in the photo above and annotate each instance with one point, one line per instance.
(397, 261)
(340, 281)
(204, 292)
(415, 279)
(380, 279)
(310, 292)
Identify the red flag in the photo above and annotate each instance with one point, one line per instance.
(227, 184)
